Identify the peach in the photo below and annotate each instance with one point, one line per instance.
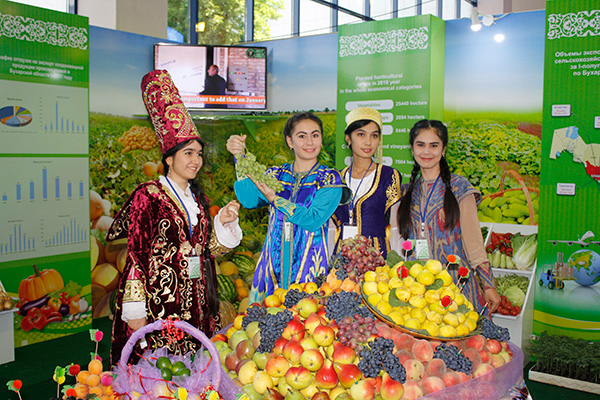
(473, 355)
(451, 378)
(497, 360)
(403, 356)
(432, 384)
(486, 356)
(494, 346)
(422, 350)
(383, 330)
(482, 370)
(436, 367)
(459, 344)
(414, 369)
(464, 377)
(477, 342)
(404, 342)
(412, 390)
(434, 344)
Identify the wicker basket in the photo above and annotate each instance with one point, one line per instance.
(206, 371)
(524, 188)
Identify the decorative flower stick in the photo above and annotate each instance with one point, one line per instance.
(59, 378)
(483, 309)
(452, 260)
(96, 336)
(15, 386)
(407, 246)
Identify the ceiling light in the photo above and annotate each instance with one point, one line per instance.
(487, 20)
(499, 37)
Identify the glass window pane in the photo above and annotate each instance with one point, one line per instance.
(449, 9)
(314, 18)
(382, 9)
(57, 5)
(429, 7)
(177, 18)
(465, 9)
(357, 6)
(272, 20)
(407, 8)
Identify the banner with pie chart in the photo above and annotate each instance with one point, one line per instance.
(44, 163)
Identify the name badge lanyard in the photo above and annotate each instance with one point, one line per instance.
(354, 200)
(194, 260)
(423, 212)
(286, 262)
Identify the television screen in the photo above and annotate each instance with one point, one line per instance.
(216, 77)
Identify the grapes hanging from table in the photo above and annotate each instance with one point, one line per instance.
(379, 355)
(247, 165)
(493, 331)
(453, 358)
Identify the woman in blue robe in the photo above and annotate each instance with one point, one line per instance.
(295, 248)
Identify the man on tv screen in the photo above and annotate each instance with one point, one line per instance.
(214, 84)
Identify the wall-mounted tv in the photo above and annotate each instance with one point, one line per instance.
(216, 77)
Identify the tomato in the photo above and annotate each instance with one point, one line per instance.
(504, 311)
(33, 312)
(514, 312)
(26, 324)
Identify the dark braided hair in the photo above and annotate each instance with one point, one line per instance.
(196, 188)
(451, 208)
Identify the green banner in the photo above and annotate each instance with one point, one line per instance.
(568, 272)
(397, 67)
(44, 170)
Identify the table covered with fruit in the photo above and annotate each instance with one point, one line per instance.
(368, 330)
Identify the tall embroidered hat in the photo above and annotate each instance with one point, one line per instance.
(369, 114)
(172, 122)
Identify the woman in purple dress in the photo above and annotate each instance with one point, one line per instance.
(375, 187)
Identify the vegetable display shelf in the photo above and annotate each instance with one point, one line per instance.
(520, 326)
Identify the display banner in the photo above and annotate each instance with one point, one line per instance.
(568, 272)
(44, 170)
(397, 67)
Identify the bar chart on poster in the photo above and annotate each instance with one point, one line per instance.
(31, 188)
(39, 118)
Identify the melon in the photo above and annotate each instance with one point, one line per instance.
(227, 291)
(245, 263)
(106, 276)
(227, 312)
(228, 268)
(251, 242)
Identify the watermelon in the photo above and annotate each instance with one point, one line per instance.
(227, 290)
(244, 263)
(248, 278)
(251, 242)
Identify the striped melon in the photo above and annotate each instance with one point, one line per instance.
(244, 263)
(251, 242)
(248, 278)
(227, 291)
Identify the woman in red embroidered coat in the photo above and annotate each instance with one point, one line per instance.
(170, 237)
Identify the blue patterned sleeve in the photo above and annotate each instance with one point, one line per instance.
(248, 194)
(313, 217)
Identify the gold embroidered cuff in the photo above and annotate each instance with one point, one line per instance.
(216, 248)
(134, 291)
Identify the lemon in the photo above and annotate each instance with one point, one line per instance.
(461, 317)
(417, 301)
(374, 298)
(382, 287)
(408, 281)
(447, 292)
(452, 307)
(393, 273)
(395, 282)
(382, 276)
(370, 276)
(473, 315)
(418, 314)
(417, 289)
(296, 286)
(450, 319)
(437, 307)
(310, 287)
(425, 277)
(462, 330)
(453, 287)
(434, 317)
(433, 266)
(447, 331)
(384, 307)
(445, 277)
(432, 296)
(398, 265)
(369, 288)
(412, 323)
(386, 296)
(431, 328)
(404, 310)
(471, 324)
(415, 269)
(397, 317)
(460, 299)
(403, 295)
(469, 305)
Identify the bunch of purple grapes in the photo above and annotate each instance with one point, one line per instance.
(358, 255)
